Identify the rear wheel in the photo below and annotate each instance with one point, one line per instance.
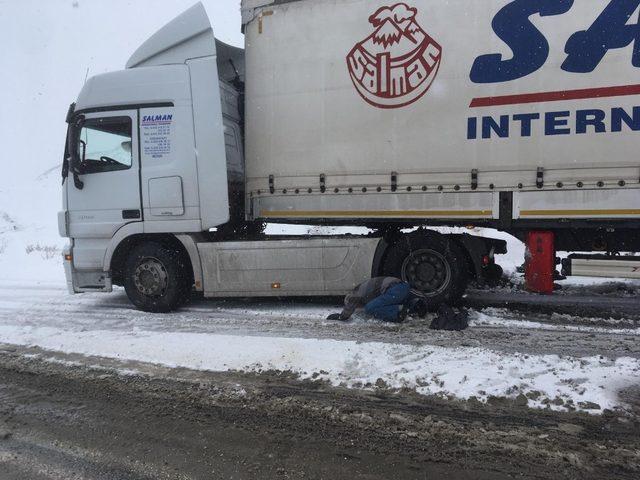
(435, 267)
(156, 278)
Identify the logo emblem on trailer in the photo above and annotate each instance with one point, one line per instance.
(395, 65)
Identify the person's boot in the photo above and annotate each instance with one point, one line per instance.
(461, 320)
(418, 307)
(402, 314)
(444, 319)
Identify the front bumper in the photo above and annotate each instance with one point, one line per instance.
(63, 223)
(81, 281)
(67, 261)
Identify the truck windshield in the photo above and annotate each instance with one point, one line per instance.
(106, 143)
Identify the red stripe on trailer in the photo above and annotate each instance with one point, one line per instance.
(557, 96)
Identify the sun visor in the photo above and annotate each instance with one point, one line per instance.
(187, 36)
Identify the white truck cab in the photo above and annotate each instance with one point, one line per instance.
(147, 148)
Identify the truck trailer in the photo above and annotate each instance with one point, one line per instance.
(517, 115)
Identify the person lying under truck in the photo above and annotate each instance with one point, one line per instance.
(385, 298)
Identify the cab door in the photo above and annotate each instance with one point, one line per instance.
(107, 195)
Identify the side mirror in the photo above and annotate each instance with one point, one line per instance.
(82, 156)
(78, 165)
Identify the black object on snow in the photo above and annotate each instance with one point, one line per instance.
(448, 319)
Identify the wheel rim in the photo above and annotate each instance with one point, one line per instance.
(427, 271)
(151, 278)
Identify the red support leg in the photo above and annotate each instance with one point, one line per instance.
(540, 262)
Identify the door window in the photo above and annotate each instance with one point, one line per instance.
(105, 145)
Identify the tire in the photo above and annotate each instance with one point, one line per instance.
(156, 278)
(434, 266)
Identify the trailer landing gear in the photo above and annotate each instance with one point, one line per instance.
(540, 262)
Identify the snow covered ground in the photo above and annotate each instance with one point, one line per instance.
(537, 361)
(540, 363)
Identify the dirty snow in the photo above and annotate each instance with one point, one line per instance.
(483, 319)
(459, 372)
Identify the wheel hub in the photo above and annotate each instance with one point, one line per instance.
(151, 277)
(427, 271)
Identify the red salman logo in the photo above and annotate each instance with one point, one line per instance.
(396, 64)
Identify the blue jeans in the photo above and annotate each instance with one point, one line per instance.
(388, 305)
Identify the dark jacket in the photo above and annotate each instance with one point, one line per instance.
(365, 292)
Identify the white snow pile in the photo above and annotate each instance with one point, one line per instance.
(552, 381)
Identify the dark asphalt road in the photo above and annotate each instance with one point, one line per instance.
(61, 422)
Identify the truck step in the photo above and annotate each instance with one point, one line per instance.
(601, 266)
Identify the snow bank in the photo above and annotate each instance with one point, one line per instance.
(588, 383)
(30, 247)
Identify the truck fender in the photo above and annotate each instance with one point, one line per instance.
(192, 249)
(393, 237)
(135, 228)
(378, 256)
(477, 248)
(132, 229)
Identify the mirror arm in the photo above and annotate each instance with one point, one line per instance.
(79, 184)
(65, 169)
(76, 168)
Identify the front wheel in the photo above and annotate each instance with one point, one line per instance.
(436, 268)
(157, 278)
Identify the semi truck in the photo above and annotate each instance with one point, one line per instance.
(517, 115)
